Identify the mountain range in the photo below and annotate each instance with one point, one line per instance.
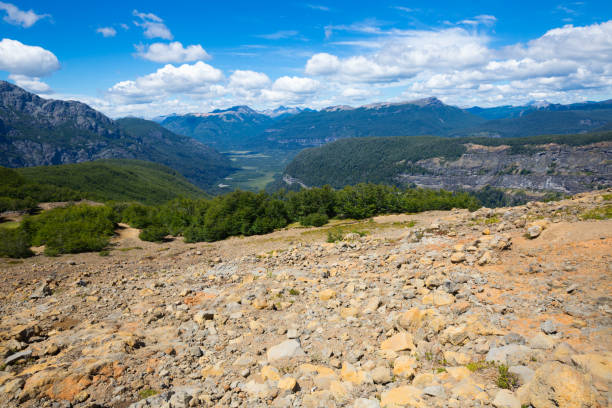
(241, 127)
(36, 131)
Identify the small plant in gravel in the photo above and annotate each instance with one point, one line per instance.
(146, 393)
(505, 379)
(477, 365)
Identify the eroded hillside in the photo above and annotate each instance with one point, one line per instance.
(504, 308)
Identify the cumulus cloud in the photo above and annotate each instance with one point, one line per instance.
(32, 84)
(298, 85)
(152, 25)
(460, 64)
(28, 60)
(248, 80)
(172, 52)
(170, 79)
(18, 17)
(107, 31)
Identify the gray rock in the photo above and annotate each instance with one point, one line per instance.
(381, 375)
(514, 338)
(534, 231)
(506, 399)
(513, 354)
(549, 327)
(41, 292)
(435, 391)
(366, 403)
(286, 349)
(18, 356)
(523, 373)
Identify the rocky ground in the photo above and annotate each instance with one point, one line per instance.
(506, 308)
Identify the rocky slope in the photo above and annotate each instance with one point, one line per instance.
(560, 168)
(566, 164)
(497, 308)
(39, 132)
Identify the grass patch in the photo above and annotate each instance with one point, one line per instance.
(599, 213)
(136, 247)
(104, 252)
(607, 197)
(10, 224)
(294, 292)
(477, 365)
(144, 394)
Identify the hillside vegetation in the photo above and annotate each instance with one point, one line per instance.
(82, 228)
(117, 179)
(380, 159)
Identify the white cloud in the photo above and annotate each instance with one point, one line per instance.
(298, 85)
(248, 80)
(152, 25)
(172, 52)
(28, 60)
(405, 54)
(107, 31)
(461, 64)
(18, 17)
(322, 64)
(317, 7)
(170, 79)
(279, 35)
(32, 84)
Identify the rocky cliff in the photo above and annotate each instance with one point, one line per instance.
(561, 168)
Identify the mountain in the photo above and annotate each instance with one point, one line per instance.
(565, 163)
(508, 111)
(420, 117)
(542, 122)
(227, 129)
(116, 179)
(36, 131)
(283, 112)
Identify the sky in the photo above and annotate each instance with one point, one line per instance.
(151, 58)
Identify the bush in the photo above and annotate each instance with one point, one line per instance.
(73, 229)
(314, 220)
(14, 243)
(153, 234)
(335, 235)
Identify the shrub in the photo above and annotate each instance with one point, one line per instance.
(73, 229)
(505, 379)
(335, 235)
(14, 243)
(153, 234)
(314, 220)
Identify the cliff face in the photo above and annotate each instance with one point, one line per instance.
(561, 168)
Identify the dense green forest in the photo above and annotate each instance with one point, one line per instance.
(80, 228)
(379, 159)
(102, 180)
(117, 179)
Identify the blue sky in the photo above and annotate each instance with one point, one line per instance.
(152, 58)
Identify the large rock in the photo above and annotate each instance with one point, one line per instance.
(406, 395)
(557, 385)
(286, 349)
(399, 342)
(506, 399)
(513, 354)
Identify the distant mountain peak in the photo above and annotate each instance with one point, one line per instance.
(337, 108)
(431, 101)
(282, 111)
